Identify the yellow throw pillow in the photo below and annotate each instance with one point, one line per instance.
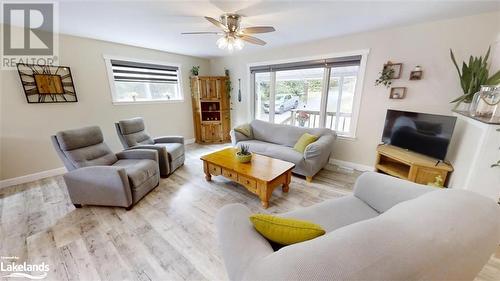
(304, 141)
(245, 129)
(285, 231)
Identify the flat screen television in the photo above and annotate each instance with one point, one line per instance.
(428, 134)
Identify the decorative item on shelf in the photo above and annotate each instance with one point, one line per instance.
(302, 118)
(195, 70)
(239, 90)
(486, 104)
(473, 75)
(389, 72)
(47, 83)
(244, 155)
(416, 73)
(398, 93)
(439, 182)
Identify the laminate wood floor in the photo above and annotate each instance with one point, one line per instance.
(168, 235)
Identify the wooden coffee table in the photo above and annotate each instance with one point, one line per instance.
(260, 176)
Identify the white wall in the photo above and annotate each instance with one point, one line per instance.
(425, 44)
(25, 129)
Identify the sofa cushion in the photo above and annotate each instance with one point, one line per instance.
(78, 138)
(93, 155)
(134, 132)
(274, 150)
(130, 126)
(138, 170)
(245, 129)
(174, 149)
(304, 140)
(335, 213)
(138, 138)
(285, 231)
(283, 134)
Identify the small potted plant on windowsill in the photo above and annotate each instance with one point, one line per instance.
(244, 155)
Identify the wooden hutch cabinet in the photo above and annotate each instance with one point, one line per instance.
(211, 110)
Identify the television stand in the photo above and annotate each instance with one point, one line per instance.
(408, 165)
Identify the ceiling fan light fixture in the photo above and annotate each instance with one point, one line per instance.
(238, 43)
(222, 42)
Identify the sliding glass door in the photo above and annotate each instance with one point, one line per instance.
(298, 91)
(340, 98)
(314, 94)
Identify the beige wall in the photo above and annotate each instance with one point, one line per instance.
(423, 44)
(25, 129)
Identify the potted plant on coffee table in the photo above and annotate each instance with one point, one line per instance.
(244, 155)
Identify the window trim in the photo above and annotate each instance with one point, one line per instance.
(357, 93)
(111, 80)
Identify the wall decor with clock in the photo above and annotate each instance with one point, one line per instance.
(47, 83)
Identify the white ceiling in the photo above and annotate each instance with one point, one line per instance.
(158, 24)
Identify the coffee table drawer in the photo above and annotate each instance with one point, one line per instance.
(214, 169)
(249, 183)
(230, 174)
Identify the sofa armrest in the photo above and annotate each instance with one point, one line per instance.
(138, 153)
(239, 242)
(99, 185)
(382, 192)
(320, 149)
(169, 139)
(237, 137)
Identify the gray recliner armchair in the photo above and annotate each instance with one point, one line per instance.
(133, 135)
(97, 176)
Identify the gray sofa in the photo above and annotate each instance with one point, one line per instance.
(97, 176)
(277, 141)
(389, 229)
(132, 134)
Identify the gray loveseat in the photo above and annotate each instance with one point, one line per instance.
(389, 229)
(277, 141)
(97, 176)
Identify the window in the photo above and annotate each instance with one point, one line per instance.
(316, 94)
(138, 82)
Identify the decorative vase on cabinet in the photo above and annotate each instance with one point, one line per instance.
(486, 104)
(211, 112)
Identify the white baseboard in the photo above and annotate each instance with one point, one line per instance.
(32, 177)
(351, 165)
(189, 141)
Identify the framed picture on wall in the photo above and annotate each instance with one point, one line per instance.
(396, 67)
(397, 93)
(46, 83)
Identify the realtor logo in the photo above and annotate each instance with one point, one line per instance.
(29, 34)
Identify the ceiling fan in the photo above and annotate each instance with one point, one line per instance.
(232, 33)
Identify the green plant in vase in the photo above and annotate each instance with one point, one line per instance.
(473, 75)
(244, 155)
(385, 78)
(195, 70)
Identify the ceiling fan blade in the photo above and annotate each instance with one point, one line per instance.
(216, 23)
(257, 29)
(253, 40)
(195, 33)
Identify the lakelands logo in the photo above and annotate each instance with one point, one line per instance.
(23, 270)
(29, 34)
